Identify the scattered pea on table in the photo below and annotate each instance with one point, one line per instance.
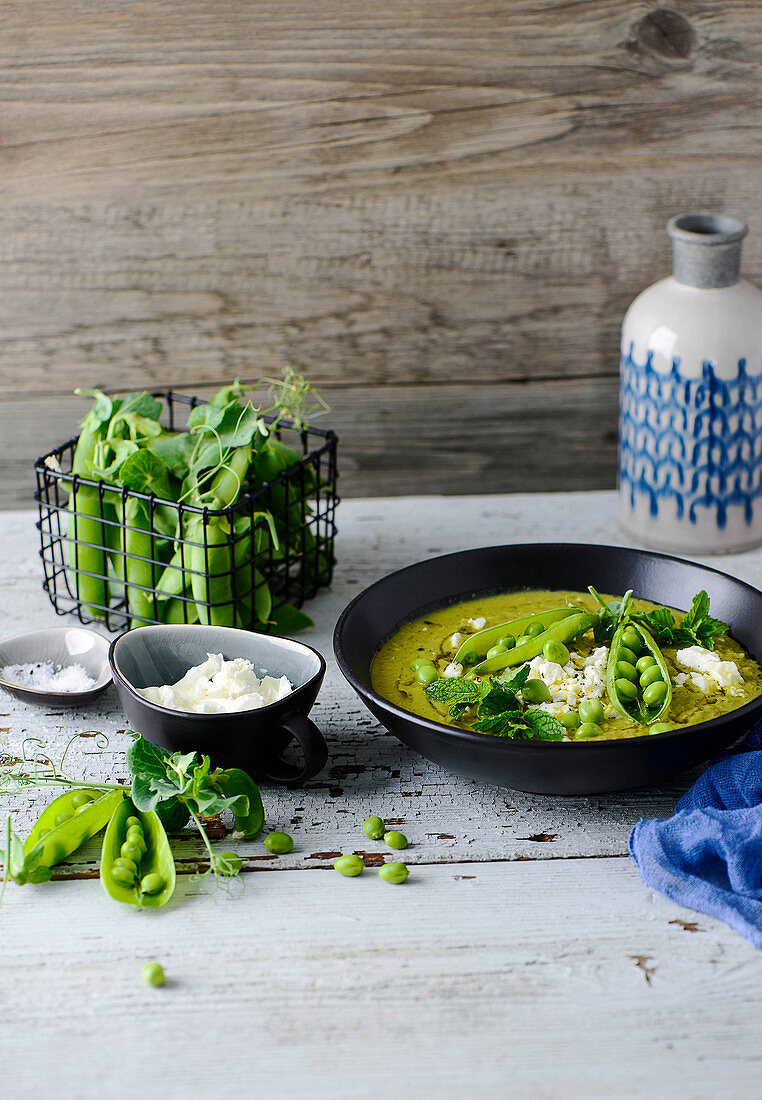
(395, 840)
(374, 828)
(279, 843)
(393, 872)
(349, 865)
(153, 974)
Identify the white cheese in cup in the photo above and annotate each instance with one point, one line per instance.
(217, 686)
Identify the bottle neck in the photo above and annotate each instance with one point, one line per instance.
(706, 249)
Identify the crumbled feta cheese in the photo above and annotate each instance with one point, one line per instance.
(570, 684)
(452, 671)
(707, 670)
(455, 641)
(477, 624)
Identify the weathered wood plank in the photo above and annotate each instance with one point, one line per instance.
(548, 435)
(310, 984)
(194, 192)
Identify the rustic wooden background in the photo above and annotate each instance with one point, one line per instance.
(437, 209)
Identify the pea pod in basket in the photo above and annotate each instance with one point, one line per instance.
(637, 677)
(137, 866)
(562, 631)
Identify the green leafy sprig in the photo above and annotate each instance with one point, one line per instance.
(697, 627)
(498, 708)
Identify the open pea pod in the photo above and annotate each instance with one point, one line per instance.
(66, 823)
(640, 696)
(478, 644)
(565, 630)
(135, 872)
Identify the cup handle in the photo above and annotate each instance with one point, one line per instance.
(304, 731)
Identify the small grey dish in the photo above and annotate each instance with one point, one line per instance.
(250, 739)
(61, 645)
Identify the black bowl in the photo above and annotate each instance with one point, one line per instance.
(547, 767)
(251, 739)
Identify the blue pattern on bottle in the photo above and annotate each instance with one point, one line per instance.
(694, 441)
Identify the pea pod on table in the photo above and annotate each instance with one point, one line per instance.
(67, 822)
(637, 677)
(479, 644)
(563, 630)
(137, 866)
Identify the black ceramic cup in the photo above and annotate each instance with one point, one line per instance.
(254, 740)
(543, 767)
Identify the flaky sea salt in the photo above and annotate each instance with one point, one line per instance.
(44, 676)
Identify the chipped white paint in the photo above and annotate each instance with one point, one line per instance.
(330, 987)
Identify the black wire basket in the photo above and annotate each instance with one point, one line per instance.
(250, 565)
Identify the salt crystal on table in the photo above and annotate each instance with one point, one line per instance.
(44, 676)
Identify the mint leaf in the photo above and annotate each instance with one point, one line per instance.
(495, 699)
(508, 724)
(512, 681)
(455, 690)
(543, 726)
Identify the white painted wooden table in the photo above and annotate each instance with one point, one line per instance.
(522, 957)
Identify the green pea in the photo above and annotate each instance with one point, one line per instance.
(131, 851)
(507, 640)
(128, 865)
(231, 864)
(279, 843)
(661, 727)
(395, 840)
(82, 807)
(536, 691)
(374, 827)
(122, 876)
(82, 798)
(426, 674)
(495, 651)
(654, 693)
(652, 675)
(152, 884)
(418, 661)
(646, 661)
(626, 670)
(591, 710)
(471, 658)
(135, 834)
(523, 639)
(631, 639)
(556, 652)
(626, 654)
(350, 865)
(63, 817)
(534, 630)
(133, 823)
(588, 730)
(625, 689)
(153, 974)
(570, 720)
(393, 872)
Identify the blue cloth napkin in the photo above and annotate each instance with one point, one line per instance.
(708, 856)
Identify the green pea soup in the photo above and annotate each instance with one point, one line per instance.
(429, 638)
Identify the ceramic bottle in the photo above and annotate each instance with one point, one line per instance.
(690, 427)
